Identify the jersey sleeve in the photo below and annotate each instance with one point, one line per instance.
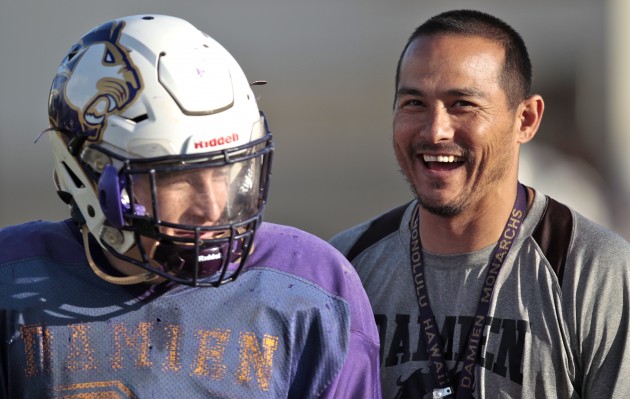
(317, 262)
(359, 377)
(360, 374)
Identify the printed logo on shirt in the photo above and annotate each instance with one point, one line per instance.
(408, 345)
(129, 347)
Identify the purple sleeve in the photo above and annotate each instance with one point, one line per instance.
(359, 377)
(60, 241)
(329, 269)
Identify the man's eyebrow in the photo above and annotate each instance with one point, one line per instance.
(410, 91)
(460, 92)
(466, 92)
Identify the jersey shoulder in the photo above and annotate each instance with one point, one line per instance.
(298, 252)
(314, 261)
(59, 241)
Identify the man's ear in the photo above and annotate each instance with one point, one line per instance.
(529, 115)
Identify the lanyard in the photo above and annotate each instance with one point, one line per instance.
(431, 335)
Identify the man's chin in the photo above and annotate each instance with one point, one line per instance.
(440, 209)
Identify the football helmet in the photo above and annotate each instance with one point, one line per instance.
(160, 150)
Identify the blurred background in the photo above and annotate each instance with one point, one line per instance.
(330, 65)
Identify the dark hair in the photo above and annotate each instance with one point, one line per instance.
(516, 75)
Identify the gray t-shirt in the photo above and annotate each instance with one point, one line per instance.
(548, 333)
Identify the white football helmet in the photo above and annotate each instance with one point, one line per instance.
(160, 150)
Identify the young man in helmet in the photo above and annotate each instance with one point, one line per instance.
(165, 282)
(483, 287)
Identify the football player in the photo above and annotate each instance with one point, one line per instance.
(165, 282)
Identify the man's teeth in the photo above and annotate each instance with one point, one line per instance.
(441, 158)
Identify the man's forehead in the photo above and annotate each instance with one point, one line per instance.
(452, 65)
(448, 54)
(442, 42)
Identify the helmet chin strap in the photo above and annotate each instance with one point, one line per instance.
(144, 277)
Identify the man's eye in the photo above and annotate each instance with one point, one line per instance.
(411, 103)
(173, 183)
(463, 103)
(171, 180)
(219, 177)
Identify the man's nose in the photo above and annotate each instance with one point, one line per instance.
(208, 201)
(207, 209)
(439, 126)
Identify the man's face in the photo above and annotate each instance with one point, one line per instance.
(195, 197)
(454, 134)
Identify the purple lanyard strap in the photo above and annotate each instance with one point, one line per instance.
(431, 335)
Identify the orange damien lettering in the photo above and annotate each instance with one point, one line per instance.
(80, 354)
(37, 345)
(260, 359)
(209, 361)
(139, 343)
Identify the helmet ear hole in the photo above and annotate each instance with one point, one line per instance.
(109, 196)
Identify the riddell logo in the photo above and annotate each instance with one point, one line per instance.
(216, 141)
(205, 258)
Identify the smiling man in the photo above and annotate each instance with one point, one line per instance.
(482, 287)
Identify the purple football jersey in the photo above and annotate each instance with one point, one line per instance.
(296, 323)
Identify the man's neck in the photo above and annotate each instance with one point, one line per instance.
(477, 227)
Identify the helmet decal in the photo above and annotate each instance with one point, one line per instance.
(85, 105)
